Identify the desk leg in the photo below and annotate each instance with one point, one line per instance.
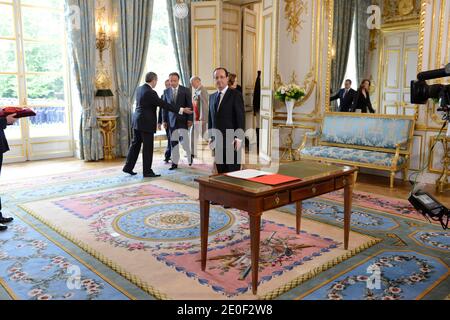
(255, 229)
(204, 229)
(348, 197)
(299, 206)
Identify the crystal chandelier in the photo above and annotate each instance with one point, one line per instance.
(180, 9)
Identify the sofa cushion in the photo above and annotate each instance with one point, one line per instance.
(354, 155)
(361, 130)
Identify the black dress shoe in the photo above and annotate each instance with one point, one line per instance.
(6, 220)
(3, 227)
(166, 161)
(151, 175)
(226, 207)
(130, 172)
(174, 167)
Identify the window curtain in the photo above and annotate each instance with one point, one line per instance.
(362, 40)
(81, 31)
(344, 12)
(134, 25)
(181, 38)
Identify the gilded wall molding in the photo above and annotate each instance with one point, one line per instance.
(293, 11)
(400, 11)
(330, 16)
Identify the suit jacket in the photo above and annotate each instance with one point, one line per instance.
(230, 115)
(184, 100)
(363, 103)
(345, 102)
(147, 102)
(203, 102)
(3, 143)
(160, 112)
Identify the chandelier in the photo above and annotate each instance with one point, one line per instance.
(181, 9)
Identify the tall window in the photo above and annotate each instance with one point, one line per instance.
(33, 65)
(161, 54)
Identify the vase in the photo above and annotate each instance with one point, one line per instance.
(290, 109)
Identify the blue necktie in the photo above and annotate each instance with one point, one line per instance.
(217, 102)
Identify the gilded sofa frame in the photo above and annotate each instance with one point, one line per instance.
(402, 149)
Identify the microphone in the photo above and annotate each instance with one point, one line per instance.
(434, 74)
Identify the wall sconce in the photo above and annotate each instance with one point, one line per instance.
(105, 32)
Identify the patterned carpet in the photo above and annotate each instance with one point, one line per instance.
(100, 227)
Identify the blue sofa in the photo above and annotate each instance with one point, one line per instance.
(382, 142)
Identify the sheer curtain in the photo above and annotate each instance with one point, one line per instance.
(181, 37)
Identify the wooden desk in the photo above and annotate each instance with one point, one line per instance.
(255, 198)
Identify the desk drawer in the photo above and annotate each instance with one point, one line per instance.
(276, 201)
(312, 191)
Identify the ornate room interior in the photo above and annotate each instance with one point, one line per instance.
(344, 227)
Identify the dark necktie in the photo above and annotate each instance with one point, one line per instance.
(345, 93)
(175, 95)
(217, 102)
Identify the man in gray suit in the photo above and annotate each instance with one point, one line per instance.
(178, 96)
(200, 102)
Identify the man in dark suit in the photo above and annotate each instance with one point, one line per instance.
(178, 124)
(226, 124)
(168, 152)
(144, 125)
(345, 96)
(9, 120)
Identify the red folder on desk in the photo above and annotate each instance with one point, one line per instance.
(274, 179)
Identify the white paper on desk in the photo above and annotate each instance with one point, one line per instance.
(248, 174)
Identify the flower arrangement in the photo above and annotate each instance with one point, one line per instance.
(289, 92)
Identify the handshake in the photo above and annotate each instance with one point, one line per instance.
(182, 111)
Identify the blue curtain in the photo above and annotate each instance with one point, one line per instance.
(80, 23)
(181, 38)
(134, 20)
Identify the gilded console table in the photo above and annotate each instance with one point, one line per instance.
(108, 125)
(442, 183)
(290, 154)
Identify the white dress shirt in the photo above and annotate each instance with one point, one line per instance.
(222, 94)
